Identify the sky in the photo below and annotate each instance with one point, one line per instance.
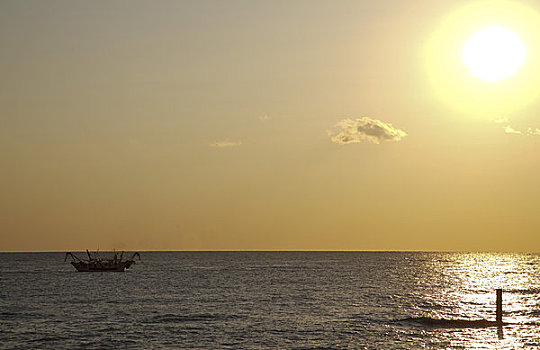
(264, 125)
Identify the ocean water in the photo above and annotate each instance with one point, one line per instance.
(271, 300)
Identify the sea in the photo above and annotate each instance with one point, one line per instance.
(272, 300)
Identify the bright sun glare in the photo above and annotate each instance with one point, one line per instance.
(493, 53)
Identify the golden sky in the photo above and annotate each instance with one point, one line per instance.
(265, 125)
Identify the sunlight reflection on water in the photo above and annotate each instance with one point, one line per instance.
(474, 279)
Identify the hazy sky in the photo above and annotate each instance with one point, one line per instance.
(224, 125)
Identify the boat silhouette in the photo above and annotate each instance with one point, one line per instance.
(96, 263)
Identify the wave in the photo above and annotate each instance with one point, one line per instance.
(172, 318)
(451, 323)
(16, 316)
(524, 291)
(534, 313)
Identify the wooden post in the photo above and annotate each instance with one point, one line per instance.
(498, 318)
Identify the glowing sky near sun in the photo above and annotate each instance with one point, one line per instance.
(224, 125)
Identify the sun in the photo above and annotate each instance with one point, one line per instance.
(493, 53)
(481, 59)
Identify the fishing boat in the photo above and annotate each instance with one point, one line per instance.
(96, 263)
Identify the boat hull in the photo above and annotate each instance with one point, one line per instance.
(82, 266)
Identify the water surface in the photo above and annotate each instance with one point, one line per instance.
(297, 300)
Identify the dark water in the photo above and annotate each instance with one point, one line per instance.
(275, 300)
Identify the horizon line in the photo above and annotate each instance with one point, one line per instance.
(277, 251)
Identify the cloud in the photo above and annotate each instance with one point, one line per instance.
(364, 129)
(226, 143)
(533, 132)
(530, 131)
(500, 120)
(510, 130)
